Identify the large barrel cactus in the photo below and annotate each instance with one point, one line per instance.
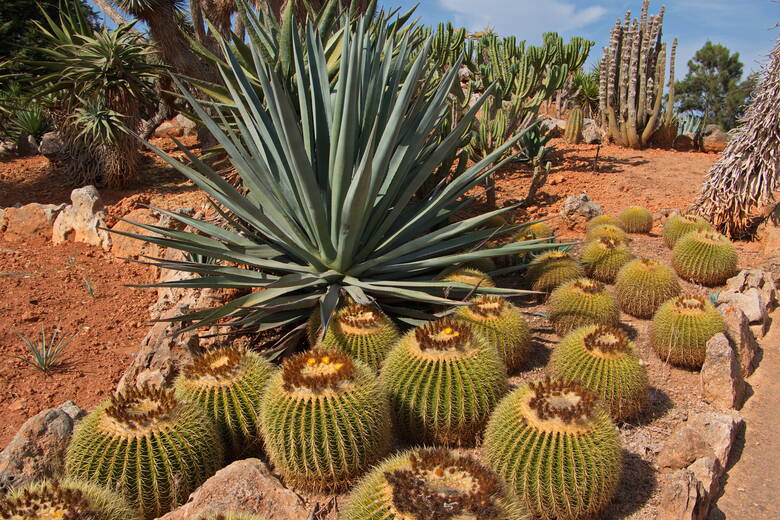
(324, 419)
(555, 446)
(148, 445)
(227, 384)
(642, 285)
(705, 257)
(603, 258)
(636, 219)
(681, 328)
(678, 226)
(444, 380)
(582, 302)
(549, 270)
(605, 360)
(502, 324)
(428, 484)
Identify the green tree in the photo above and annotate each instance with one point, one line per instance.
(714, 86)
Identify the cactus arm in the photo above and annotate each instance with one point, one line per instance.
(650, 128)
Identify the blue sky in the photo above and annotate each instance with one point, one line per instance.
(745, 26)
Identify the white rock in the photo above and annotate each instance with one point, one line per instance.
(83, 221)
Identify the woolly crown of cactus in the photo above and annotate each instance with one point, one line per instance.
(604, 257)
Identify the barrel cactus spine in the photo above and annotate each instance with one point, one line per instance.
(444, 381)
(642, 285)
(681, 328)
(604, 257)
(549, 270)
(107, 445)
(582, 302)
(705, 257)
(324, 419)
(556, 448)
(502, 324)
(431, 483)
(637, 219)
(603, 359)
(678, 226)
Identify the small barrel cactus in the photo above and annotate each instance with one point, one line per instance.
(604, 360)
(680, 225)
(364, 332)
(535, 230)
(608, 231)
(481, 264)
(642, 285)
(427, 484)
(705, 257)
(324, 419)
(681, 329)
(602, 220)
(636, 219)
(469, 276)
(582, 302)
(556, 448)
(148, 445)
(603, 258)
(444, 381)
(227, 384)
(573, 132)
(549, 270)
(502, 324)
(67, 499)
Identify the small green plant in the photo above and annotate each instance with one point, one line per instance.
(549, 270)
(636, 219)
(47, 355)
(705, 257)
(680, 225)
(681, 328)
(89, 286)
(642, 285)
(603, 258)
(32, 121)
(534, 144)
(582, 302)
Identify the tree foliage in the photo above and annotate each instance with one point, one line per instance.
(713, 86)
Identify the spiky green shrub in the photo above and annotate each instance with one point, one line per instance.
(605, 360)
(133, 443)
(582, 302)
(424, 484)
(67, 499)
(642, 285)
(502, 324)
(705, 257)
(608, 231)
(681, 328)
(555, 446)
(601, 220)
(444, 381)
(227, 384)
(324, 419)
(549, 270)
(680, 225)
(468, 276)
(636, 219)
(604, 257)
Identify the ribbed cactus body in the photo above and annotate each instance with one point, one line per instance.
(678, 226)
(502, 325)
(705, 257)
(537, 230)
(560, 454)
(607, 231)
(549, 270)
(444, 381)
(642, 285)
(604, 360)
(681, 328)
(601, 220)
(227, 384)
(66, 499)
(573, 132)
(324, 420)
(363, 332)
(425, 484)
(604, 257)
(636, 219)
(469, 276)
(481, 264)
(582, 302)
(149, 446)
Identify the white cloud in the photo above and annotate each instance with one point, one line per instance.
(527, 19)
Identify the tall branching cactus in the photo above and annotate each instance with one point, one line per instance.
(633, 72)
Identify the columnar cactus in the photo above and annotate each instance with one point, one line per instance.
(642, 285)
(502, 324)
(605, 360)
(227, 384)
(681, 328)
(425, 484)
(67, 499)
(324, 419)
(134, 443)
(603, 258)
(636, 219)
(549, 270)
(574, 126)
(608, 231)
(582, 302)
(444, 381)
(680, 225)
(705, 257)
(556, 448)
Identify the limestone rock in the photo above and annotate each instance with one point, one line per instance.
(83, 221)
(27, 145)
(187, 125)
(30, 220)
(245, 486)
(7, 150)
(682, 497)
(714, 139)
(683, 143)
(552, 127)
(168, 129)
(577, 210)
(721, 376)
(128, 247)
(591, 133)
(708, 434)
(38, 449)
(52, 146)
(740, 333)
(754, 292)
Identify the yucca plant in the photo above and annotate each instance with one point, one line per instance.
(329, 180)
(47, 354)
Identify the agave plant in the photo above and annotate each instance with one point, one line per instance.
(330, 176)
